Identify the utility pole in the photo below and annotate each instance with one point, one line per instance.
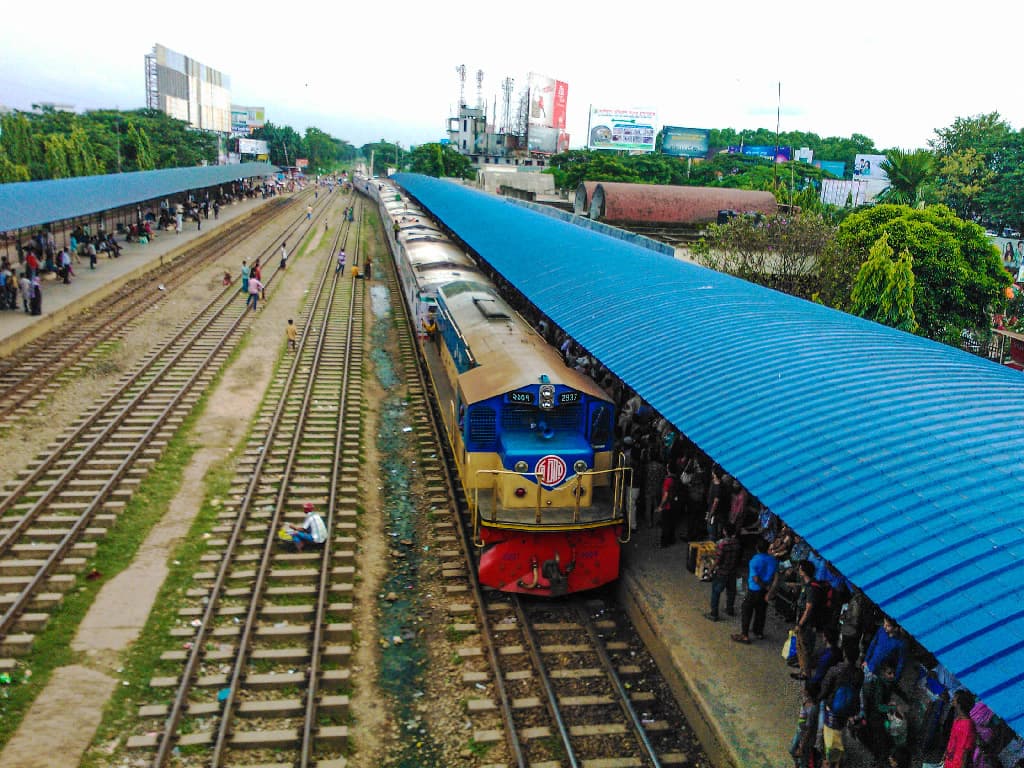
(778, 120)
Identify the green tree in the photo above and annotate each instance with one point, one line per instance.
(10, 171)
(384, 154)
(781, 252)
(139, 148)
(883, 290)
(970, 155)
(1002, 199)
(958, 272)
(909, 175)
(21, 145)
(285, 144)
(440, 160)
(55, 152)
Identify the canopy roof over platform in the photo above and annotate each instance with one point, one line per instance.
(896, 457)
(32, 203)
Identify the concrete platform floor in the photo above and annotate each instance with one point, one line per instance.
(739, 699)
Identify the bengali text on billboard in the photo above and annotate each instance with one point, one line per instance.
(781, 154)
(548, 99)
(685, 142)
(613, 128)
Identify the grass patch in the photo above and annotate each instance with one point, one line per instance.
(114, 552)
(143, 659)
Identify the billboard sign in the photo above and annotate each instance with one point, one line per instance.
(548, 98)
(781, 154)
(301, 162)
(543, 139)
(805, 155)
(869, 167)
(685, 142)
(614, 128)
(836, 167)
(239, 122)
(253, 147)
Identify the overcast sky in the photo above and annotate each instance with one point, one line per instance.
(894, 71)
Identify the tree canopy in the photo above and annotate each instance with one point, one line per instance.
(440, 160)
(958, 273)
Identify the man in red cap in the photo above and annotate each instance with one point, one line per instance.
(312, 531)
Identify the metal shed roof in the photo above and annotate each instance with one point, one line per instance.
(31, 203)
(896, 457)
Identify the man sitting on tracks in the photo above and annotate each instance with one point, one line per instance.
(312, 531)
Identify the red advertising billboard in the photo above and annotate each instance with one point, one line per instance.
(548, 99)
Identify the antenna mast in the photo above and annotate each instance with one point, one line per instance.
(480, 88)
(506, 116)
(461, 69)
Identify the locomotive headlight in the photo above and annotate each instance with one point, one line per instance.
(547, 395)
(521, 466)
(579, 467)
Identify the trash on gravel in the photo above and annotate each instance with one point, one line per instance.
(407, 429)
(196, 623)
(223, 693)
(5, 678)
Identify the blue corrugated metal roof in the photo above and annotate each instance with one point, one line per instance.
(896, 457)
(31, 203)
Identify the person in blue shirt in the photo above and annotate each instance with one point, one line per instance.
(763, 573)
(887, 647)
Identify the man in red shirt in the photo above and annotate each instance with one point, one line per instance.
(32, 263)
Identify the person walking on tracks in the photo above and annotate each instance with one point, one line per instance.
(255, 286)
(293, 335)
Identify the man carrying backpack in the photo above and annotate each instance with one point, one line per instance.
(815, 600)
(840, 697)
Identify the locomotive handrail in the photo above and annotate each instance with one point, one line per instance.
(619, 482)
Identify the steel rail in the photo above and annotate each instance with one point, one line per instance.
(248, 632)
(12, 613)
(128, 305)
(97, 414)
(490, 644)
(322, 604)
(179, 704)
(545, 680)
(83, 520)
(620, 690)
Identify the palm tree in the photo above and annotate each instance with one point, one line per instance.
(908, 173)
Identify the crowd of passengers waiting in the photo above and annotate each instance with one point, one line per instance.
(850, 659)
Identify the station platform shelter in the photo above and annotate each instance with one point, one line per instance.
(60, 205)
(887, 453)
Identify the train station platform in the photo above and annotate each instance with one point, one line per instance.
(739, 699)
(90, 286)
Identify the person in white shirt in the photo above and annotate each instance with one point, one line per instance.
(312, 531)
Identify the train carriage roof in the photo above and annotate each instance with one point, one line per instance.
(896, 457)
(510, 355)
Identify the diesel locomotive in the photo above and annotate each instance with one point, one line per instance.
(532, 437)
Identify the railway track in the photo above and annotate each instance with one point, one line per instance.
(30, 376)
(548, 683)
(53, 514)
(258, 665)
